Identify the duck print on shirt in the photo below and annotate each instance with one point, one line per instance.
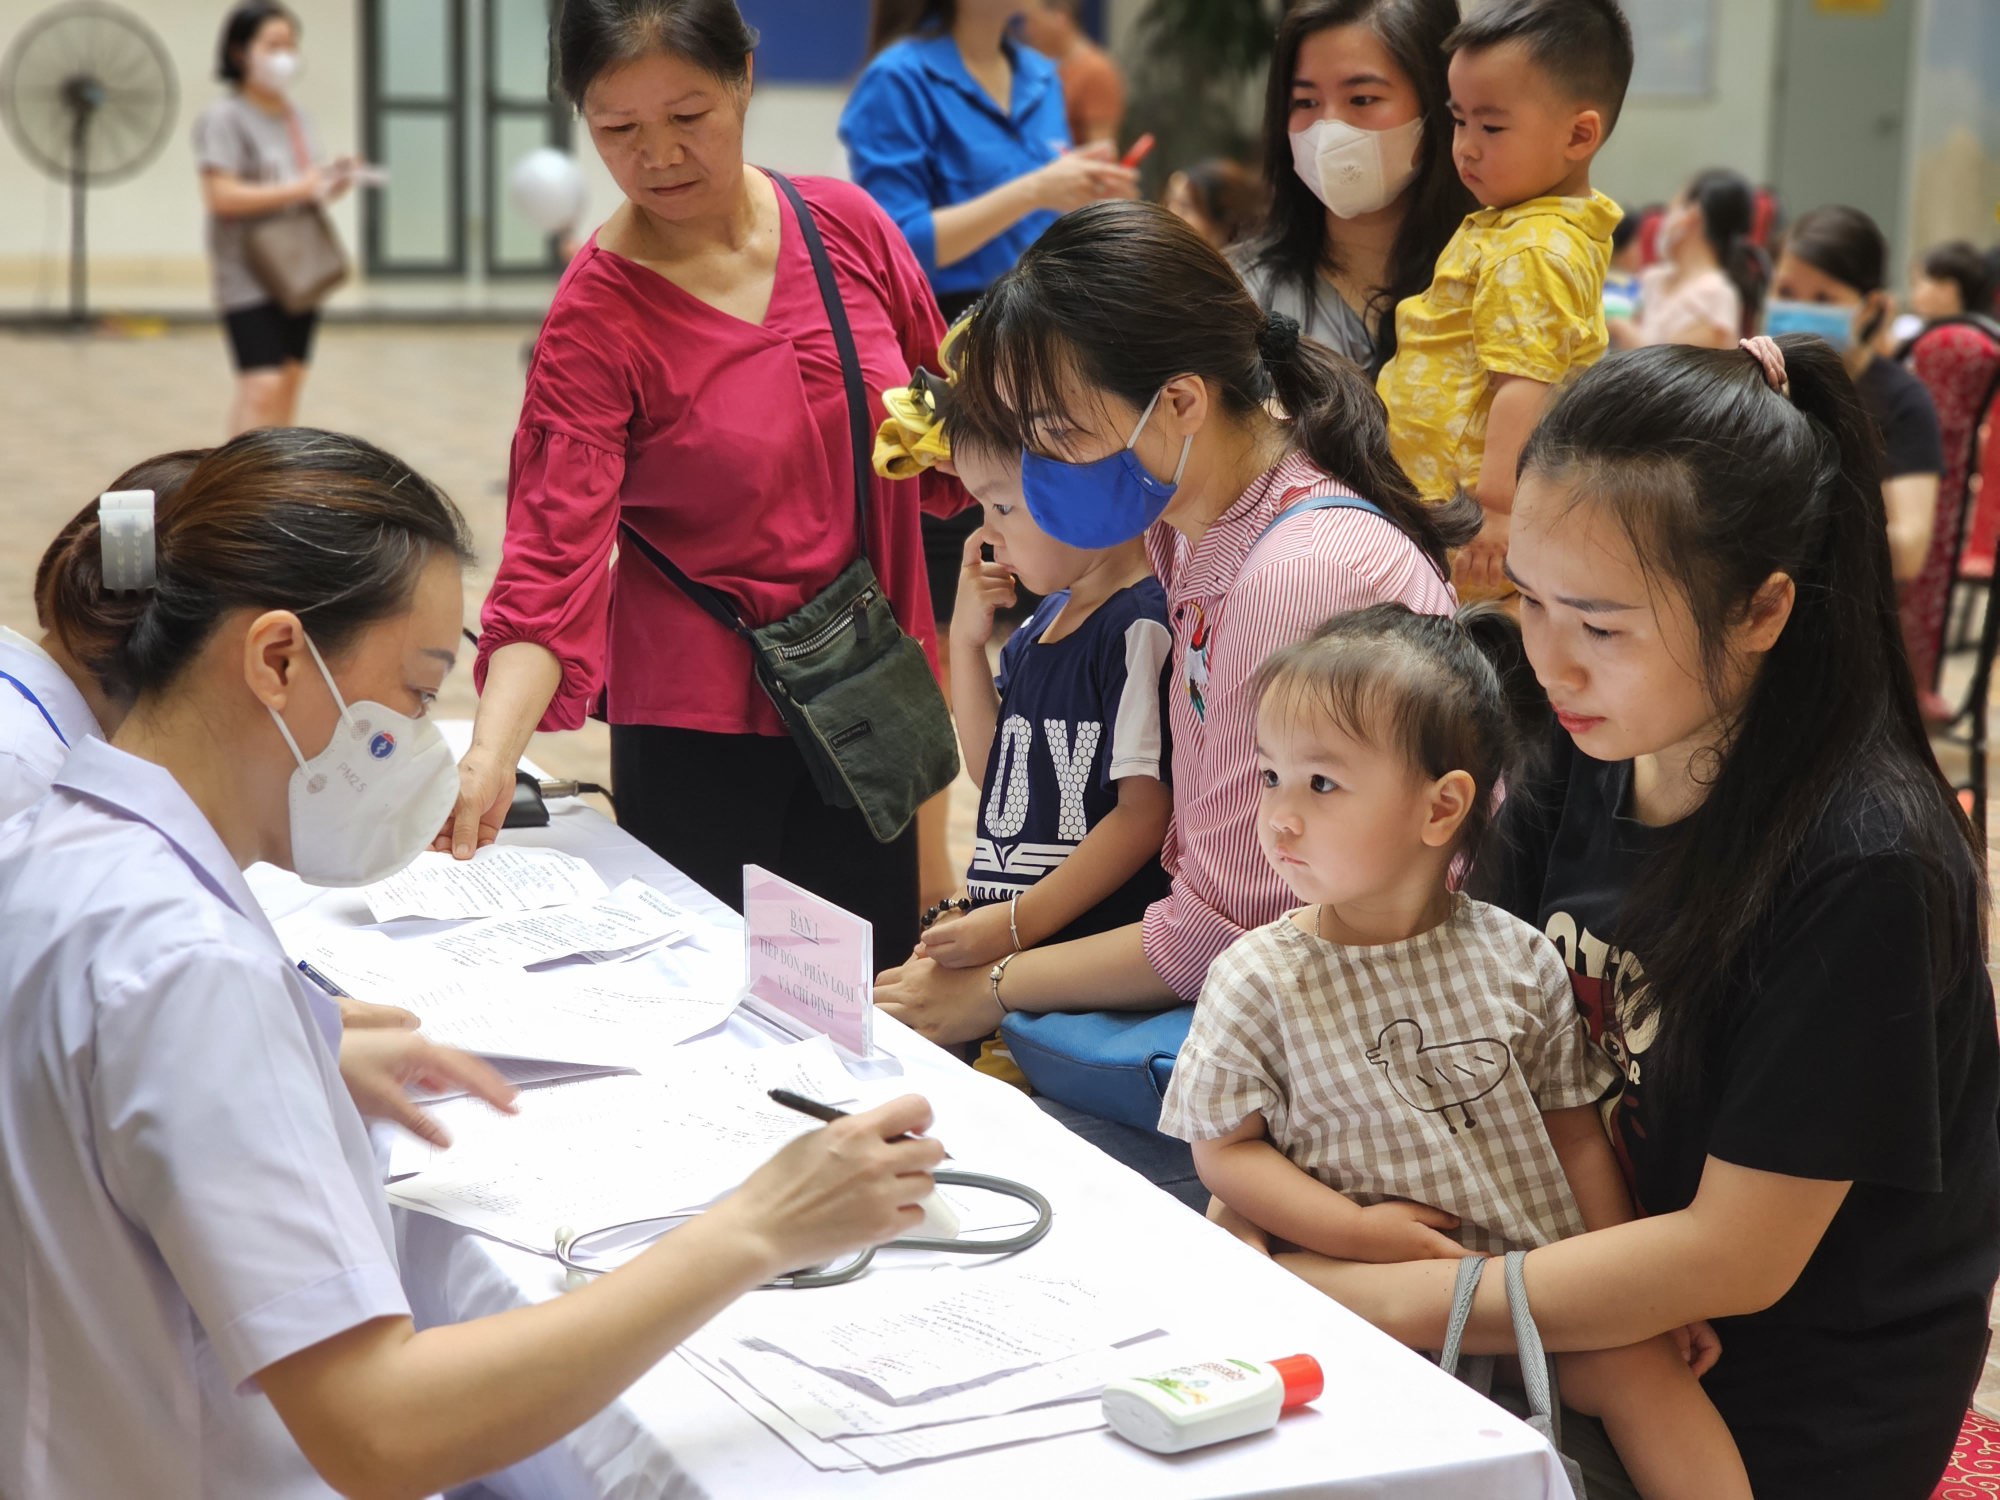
(1443, 1076)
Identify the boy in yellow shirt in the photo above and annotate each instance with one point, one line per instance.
(1516, 301)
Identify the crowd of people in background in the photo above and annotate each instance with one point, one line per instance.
(1659, 820)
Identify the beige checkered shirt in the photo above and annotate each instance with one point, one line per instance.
(1414, 1070)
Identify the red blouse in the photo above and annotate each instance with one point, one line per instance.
(723, 443)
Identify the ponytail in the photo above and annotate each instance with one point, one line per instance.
(1122, 297)
(1728, 206)
(1720, 481)
(329, 527)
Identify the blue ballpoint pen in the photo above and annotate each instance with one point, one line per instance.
(323, 982)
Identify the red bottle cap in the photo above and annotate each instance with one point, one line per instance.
(1303, 1378)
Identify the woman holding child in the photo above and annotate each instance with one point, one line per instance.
(1772, 910)
(1357, 156)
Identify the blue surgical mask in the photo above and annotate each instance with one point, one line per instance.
(1101, 503)
(1832, 321)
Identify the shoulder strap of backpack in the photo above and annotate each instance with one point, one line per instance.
(1318, 502)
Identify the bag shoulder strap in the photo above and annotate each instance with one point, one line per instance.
(712, 601)
(301, 154)
(1320, 502)
(850, 357)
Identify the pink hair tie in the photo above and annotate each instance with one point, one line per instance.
(1764, 349)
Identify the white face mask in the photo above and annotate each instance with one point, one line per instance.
(1354, 171)
(275, 70)
(365, 806)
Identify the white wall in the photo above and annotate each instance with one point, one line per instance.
(1660, 143)
(149, 228)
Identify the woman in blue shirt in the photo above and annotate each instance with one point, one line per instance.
(959, 132)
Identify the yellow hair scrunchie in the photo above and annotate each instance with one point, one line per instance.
(911, 438)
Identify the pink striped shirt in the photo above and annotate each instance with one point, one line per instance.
(1226, 619)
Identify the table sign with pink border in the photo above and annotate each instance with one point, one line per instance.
(809, 960)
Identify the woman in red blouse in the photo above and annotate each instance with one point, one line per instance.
(686, 382)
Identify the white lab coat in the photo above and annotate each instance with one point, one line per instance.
(189, 1194)
(42, 718)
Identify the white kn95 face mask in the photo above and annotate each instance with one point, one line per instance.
(1354, 171)
(367, 804)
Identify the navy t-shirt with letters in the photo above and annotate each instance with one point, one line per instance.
(1076, 716)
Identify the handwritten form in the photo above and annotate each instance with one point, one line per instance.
(968, 1334)
(951, 1322)
(610, 1150)
(499, 879)
(630, 920)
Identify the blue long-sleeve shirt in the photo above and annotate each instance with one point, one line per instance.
(921, 135)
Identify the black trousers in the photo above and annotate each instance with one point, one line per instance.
(711, 803)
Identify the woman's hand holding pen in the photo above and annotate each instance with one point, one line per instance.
(857, 1182)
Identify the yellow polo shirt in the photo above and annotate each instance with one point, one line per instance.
(1518, 291)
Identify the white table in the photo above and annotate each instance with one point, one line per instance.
(1390, 1425)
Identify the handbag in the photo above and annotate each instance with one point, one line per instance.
(855, 692)
(1538, 1370)
(1116, 1064)
(295, 252)
(1110, 1063)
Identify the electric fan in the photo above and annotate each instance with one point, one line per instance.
(88, 94)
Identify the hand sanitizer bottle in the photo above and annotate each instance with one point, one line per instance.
(1192, 1406)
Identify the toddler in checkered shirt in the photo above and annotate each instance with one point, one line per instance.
(1394, 1071)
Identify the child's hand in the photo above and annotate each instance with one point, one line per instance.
(1479, 562)
(1221, 1214)
(1396, 1231)
(982, 588)
(1698, 1346)
(982, 936)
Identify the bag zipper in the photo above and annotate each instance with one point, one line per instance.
(819, 639)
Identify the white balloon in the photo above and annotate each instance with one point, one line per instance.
(547, 189)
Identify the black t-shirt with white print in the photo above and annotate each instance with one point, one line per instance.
(1844, 1058)
(1076, 716)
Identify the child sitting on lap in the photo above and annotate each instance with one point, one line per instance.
(1072, 736)
(1397, 1072)
(1516, 301)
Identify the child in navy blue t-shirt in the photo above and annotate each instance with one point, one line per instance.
(1073, 733)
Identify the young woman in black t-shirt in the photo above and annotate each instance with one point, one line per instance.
(1773, 911)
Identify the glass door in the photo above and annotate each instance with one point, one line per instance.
(455, 92)
(521, 115)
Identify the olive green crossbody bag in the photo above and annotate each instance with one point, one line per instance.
(856, 693)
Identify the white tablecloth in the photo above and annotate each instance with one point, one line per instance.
(1390, 1425)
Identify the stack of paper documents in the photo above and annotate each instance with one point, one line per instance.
(629, 921)
(499, 879)
(910, 1365)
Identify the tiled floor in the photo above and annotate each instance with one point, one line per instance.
(75, 411)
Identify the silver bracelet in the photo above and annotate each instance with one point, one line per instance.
(1013, 931)
(993, 979)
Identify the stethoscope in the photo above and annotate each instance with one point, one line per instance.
(572, 1245)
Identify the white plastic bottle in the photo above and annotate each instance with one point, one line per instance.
(1192, 1406)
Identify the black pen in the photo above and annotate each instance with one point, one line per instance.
(323, 982)
(827, 1112)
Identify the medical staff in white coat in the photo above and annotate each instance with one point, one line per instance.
(198, 1284)
(49, 701)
